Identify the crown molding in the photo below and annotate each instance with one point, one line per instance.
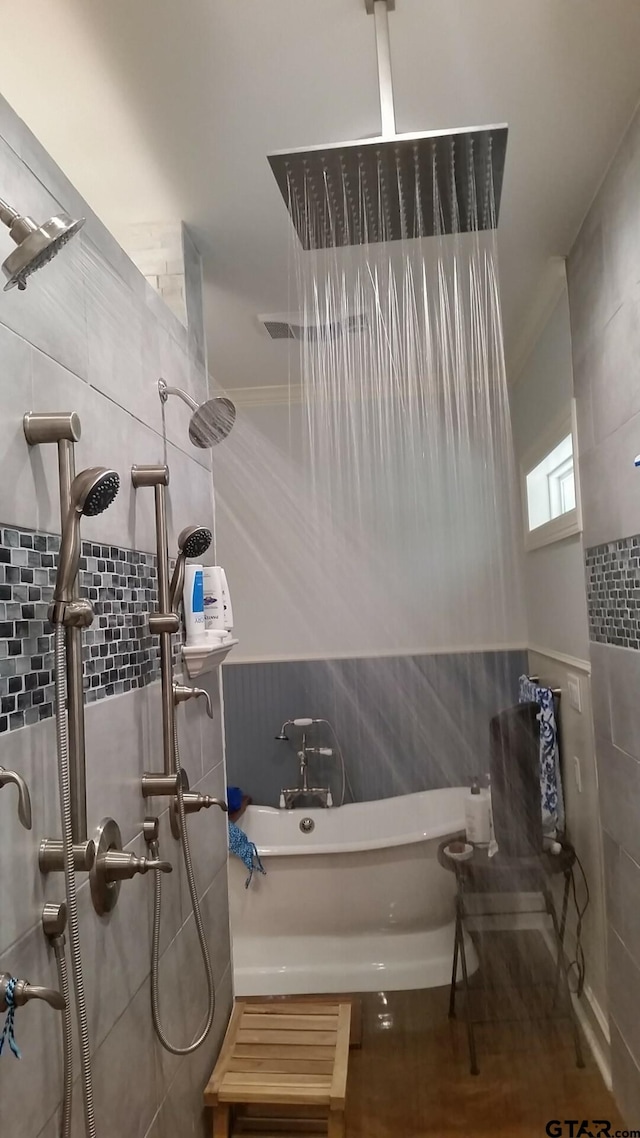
(267, 395)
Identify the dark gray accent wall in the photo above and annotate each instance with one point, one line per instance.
(118, 651)
(405, 723)
(613, 592)
(604, 297)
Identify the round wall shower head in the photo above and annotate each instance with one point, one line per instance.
(211, 421)
(37, 245)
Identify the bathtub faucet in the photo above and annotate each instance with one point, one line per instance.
(304, 796)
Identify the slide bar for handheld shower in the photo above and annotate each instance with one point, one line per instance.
(63, 428)
(158, 478)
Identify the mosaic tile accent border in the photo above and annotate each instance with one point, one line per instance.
(119, 653)
(613, 592)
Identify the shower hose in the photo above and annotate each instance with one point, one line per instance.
(64, 780)
(67, 1041)
(197, 915)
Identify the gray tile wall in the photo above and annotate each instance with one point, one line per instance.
(604, 295)
(405, 723)
(89, 334)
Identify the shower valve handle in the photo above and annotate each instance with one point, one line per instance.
(181, 693)
(116, 865)
(24, 798)
(195, 802)
(24, 991)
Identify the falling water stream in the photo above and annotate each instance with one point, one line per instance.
(376, 514)
(371, 526)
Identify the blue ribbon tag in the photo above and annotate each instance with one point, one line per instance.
(8, 1033)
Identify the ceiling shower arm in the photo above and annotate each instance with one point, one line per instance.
(380, 10)
(165, 391)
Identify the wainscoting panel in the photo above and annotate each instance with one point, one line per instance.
(405, 723)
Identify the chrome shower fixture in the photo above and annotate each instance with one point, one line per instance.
(24, 798)
(211, 421)
(282, 737)
(395, 186)
(37, 244)
(23, 992)
(192, 542)
(92, 491)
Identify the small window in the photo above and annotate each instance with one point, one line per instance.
(550, 488)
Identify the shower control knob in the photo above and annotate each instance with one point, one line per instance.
(113, 865)
(182, 692)
(195, 802)
(24, 992)
(116, 865)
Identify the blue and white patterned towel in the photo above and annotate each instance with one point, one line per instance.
(551, 795)
(247, 851)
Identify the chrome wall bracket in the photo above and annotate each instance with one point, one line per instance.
(370, 5)
(162, 785)
(51, 856)
(113, 865)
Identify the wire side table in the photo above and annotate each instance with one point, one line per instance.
(509, 894)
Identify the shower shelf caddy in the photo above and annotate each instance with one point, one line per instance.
(200, 658)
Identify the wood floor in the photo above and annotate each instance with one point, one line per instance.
(411, 1078)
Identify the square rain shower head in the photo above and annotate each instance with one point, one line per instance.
(390, 189)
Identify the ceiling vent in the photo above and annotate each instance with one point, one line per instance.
(283, 327)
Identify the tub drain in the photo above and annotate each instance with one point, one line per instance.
(307, 825)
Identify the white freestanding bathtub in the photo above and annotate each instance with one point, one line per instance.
(353, 900)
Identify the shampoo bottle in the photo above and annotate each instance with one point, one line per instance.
(226, 600)
(477, 815)
(194, 604)
(213, 602)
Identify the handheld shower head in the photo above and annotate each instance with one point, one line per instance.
(36, 245)
(92, 491)
(300, 723)
(192, 542)
(211, 421)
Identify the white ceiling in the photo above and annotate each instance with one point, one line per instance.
(165, 109)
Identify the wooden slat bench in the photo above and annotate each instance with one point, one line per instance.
(282, 1071)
